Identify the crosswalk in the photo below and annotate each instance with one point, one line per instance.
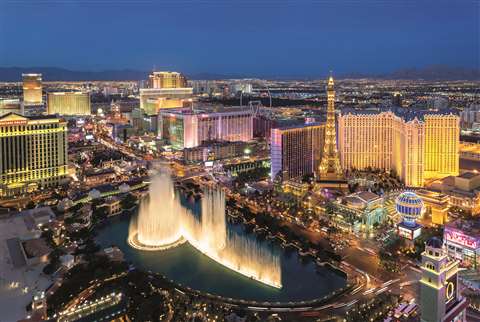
(390, 207)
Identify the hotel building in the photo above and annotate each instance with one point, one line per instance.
(186, 128)
(440, 297)
(167, 80)
(33, 153)
(416, 149)
(68, 103)
(166, 90)
(442, 144)
(297, 150)
(32, 89)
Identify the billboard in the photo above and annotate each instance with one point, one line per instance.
(460, 238)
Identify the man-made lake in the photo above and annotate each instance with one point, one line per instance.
(186, 265)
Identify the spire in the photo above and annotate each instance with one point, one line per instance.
(330, 82)
(330, 162)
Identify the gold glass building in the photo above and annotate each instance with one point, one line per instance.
(32, 89)
(296, 151)
(442, 144)
(417, 149)
(68, 103)
(33, 153)
(166, 90)
(167, 80)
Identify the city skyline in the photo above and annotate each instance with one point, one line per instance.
(240, 160)
(248, 187)
(306, 39)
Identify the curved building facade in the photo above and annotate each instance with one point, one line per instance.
(33, 153)
(409, 206)
(68, 103)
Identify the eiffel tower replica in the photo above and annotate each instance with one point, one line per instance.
(330, 169)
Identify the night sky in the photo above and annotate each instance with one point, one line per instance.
(263, 37)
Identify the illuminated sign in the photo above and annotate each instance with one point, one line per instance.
(409, 232)
(460, 238)
(405, 233)
(450, 292)
(13, 122)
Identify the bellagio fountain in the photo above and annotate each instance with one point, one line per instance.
(163, 222)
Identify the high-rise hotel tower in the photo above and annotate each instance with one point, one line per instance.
(32, 89)
(423, 148)
(330, 165)
(167, 80)
(166, 90)
(442, 144)
(33, 153)
(186, 128)
(68, 103)
(296, 150)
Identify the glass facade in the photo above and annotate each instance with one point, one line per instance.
(68, 103)
(32, 89)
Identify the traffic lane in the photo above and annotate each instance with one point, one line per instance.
(362, 259)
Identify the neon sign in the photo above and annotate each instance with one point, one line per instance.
(460, 238)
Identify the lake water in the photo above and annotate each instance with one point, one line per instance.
(189, 267)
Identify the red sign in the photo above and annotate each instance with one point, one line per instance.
(460, 238)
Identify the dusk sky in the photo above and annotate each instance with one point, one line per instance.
(263, 37)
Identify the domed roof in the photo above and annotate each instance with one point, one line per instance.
(409, 197)
(409, 204)
(434, 242)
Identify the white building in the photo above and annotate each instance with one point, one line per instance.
(186, 128)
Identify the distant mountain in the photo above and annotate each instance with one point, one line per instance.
(14, 74)
(436, 72)
(61, 74)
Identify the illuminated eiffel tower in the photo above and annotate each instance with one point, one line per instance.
(330, 168)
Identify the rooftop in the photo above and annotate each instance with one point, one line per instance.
(435, 242)
(98, 172)
(469, 175)
(469, 227)
(406, 114)
(35, 247)
(207, 111)
(68, 93)
(361, 199)
(15, 117)
(15, 251)
(368, 196)
(299, 126)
